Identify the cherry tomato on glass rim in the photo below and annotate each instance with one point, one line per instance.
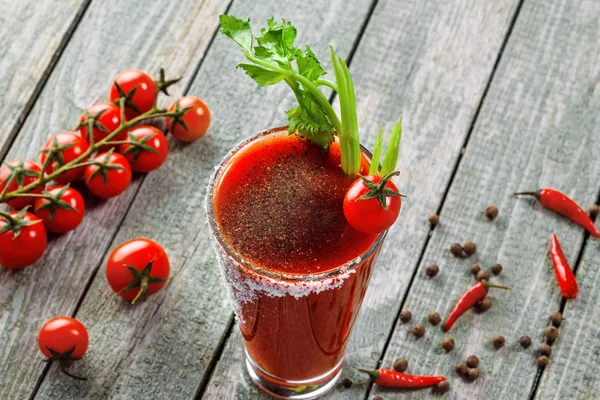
(23, 239)
(61, 149)
(193, 124)
(63, 339)
(372, 203)
(147, 148)
(108, 119)
(17, 174)
(109, 176)
(137, 269)
(138, 89)
(64, 213)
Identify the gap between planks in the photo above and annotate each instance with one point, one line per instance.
(80, 14)
(14, 132)
(445, 195)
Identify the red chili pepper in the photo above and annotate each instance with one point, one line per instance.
(559, 202)
(389, 378)
(564, 274)
(468, 300)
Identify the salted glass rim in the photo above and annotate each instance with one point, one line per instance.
(230, 250)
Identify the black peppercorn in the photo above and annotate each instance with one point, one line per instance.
(491, 212)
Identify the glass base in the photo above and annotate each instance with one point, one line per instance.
(284, 389)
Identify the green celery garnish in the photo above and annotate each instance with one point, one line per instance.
(374, 167)
(272, 56)
(393, 150)
(272, 62)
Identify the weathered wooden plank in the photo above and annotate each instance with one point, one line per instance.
(573, 369)
(112, 36)
(161, 349)
(430, 61)
(31, 38)
(538, 127)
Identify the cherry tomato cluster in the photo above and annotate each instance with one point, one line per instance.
(106, 168)
(135, 270)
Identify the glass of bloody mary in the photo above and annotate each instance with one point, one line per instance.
(295, 270)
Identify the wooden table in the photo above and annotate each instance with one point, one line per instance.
(498, 96)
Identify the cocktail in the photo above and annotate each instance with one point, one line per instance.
(296, 230)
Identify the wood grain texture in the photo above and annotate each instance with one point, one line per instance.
(538, 127)
(173, 35)
(32, 32)
(573, 369)
(430, 61)
(161, 349)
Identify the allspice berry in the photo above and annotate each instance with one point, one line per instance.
(457, 250)
(525, 341)
(483, 275)
(461, 368)
(473, 374)
(405, 316)
(432, 270)
(442, 387)
(475, 268)
(594, 209)
(434, 219)
(496, 269)
(556, 319)
(418, 331)
(448, 345)
(484, 305)
(498, 342)
(401, 364)
(473, 361)
(543, 361)
(545, 350)
(469, 248)
(551, 333)
(347, 383)
(491, 212)
(434, 318)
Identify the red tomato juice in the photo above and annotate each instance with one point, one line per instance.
(278, 203)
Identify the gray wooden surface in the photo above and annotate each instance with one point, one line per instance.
(32, 38)
(516, 80)
(536, 128)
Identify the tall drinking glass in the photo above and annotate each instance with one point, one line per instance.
(295, 326)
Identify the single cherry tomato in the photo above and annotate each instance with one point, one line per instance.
(109, 176)
(64, 213)
(108, 120)
(23, 239)
(148, 148)
(64, 339)
(137, 269)
(138, 89)
(63, 148)
(193, 124)
(372, 203)
(17, 174)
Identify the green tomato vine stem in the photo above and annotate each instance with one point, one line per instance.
(81, 161)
